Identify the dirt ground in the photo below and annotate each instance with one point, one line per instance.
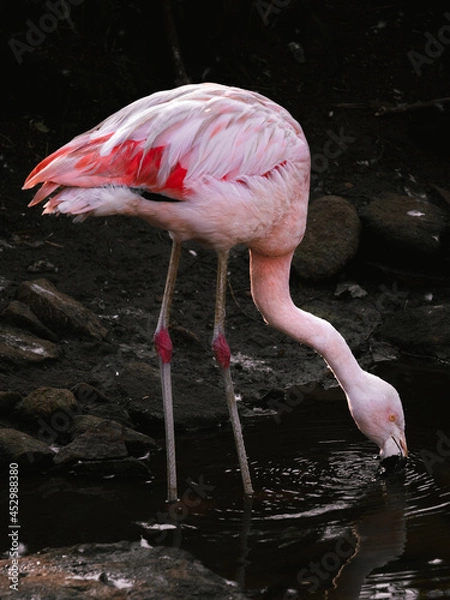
(357, 57)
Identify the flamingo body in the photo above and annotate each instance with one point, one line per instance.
(235, 168)
(223, 152)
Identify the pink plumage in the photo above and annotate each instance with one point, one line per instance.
(188, 143)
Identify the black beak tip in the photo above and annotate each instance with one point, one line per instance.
(392, 464)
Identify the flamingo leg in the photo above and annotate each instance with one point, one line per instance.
(222, 354)
(163, 346)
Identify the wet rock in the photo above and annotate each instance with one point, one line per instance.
(100, 442)
(58, 311)
(88, 394)
(129, 467)
(117, 571)
(20, 348)
(82, 423)
(407, 224)
(331, 238)
(421, 330)
(19, 447)
(20, 315)
(54, 406)
(136, 443)
(8, 402)
(94, 402)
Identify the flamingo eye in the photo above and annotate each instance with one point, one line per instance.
(392, 418)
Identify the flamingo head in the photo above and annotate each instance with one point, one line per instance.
(378, 413)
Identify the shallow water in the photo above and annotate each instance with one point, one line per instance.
(321, 523)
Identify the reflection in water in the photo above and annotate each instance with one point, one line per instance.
(381, 538)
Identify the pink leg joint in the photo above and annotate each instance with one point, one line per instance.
(163, 345)
(221, 351)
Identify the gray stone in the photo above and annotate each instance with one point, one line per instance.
(82, 423)
(20, 315)
(408, 224)
(19, 447)
(58, 311)
(21, 348)
(137, 443)
(422, 330)
(47, 404)
(89, 395)
(101, 442)
(94, 402)
(331, 239)
(114, 572)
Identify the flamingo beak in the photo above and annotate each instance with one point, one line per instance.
(404, 448)
(395, 462)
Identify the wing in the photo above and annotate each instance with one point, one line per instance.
(170, 139)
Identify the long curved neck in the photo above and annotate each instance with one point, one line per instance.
(270, 292)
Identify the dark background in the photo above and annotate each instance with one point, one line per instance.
(79, 69)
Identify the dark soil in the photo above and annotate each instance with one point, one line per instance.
(108, 54)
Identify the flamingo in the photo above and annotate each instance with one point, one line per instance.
(235, 168)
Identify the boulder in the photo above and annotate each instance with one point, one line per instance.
(49, 404)
(20, 315)
(115, 571)
(423, 330)
(96, 403)
(411, 225)
(331, 238)
(101, 442)
(60, 312)
(23, 449)
(137, 444)
(20, 348)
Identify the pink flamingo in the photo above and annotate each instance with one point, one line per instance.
(238, 166)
